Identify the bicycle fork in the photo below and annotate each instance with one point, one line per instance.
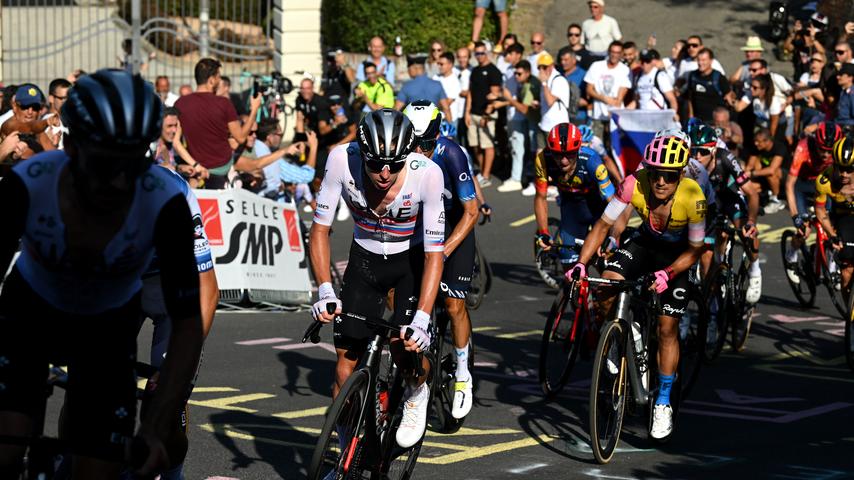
(624, 316)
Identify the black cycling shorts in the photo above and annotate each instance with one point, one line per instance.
(844, 225)
(100, 352)
(367, 281)
(639, 255)
(458, 270)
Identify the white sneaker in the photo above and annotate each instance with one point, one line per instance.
(529, 191)
(414, 420)
(552, 193)
(510, 186)
(793, 276)
(662, 421)
(774, 205)
(754, 289)
(343, 213)
(463, 398)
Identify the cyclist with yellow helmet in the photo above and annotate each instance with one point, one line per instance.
(672, 208)
(837, 184)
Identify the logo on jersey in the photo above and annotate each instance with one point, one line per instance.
(211, 220)
(440, 149)
(442, 217)
(150, 183)
(416, 164)
(601, 172)
(701, 206)
(37, 168)
(464, 177)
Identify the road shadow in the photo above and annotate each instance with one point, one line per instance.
(318, 372)
(520, 274)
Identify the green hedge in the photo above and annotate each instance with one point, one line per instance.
(350, 24)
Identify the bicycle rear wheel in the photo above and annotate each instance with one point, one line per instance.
(608, 392)
(833, 282)
(340, 445)
(804, 290)
(561, 341)
(719, 311)
(479, 279)
(742, 317)
(443, 379)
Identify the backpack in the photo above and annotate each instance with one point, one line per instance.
(716, 81)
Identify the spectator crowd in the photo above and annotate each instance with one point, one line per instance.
(498, 101)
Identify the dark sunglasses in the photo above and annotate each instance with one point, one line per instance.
(436, 49)
(849, 169)
(573, 34)
(519, 74)
(702, 151)
(479, 54)
(753, 70)
(840, 52)
(669, 176)
(33, 106)
(536, 43)
(377, 166)
(693, 45)
(542, 67)
(253, 132)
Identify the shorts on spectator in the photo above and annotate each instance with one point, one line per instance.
(499, 5)
(479, 136)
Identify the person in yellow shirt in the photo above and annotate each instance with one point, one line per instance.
(375, 91)
(837, 183)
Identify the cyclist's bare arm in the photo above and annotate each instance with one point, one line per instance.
(597, 235)
(621, 223)
(751, 191)
(790, 194)
(688, 258)
(320, 252)
(433, 264)
(541, 210)
(209, 294)
(824, 218)
(463, 227)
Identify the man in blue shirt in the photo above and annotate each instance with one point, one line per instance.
(422, 87)
(385, 67)
(574, 74)
(845, 107)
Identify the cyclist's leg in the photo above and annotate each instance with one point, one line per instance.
(575, 221)
(362, 296)
(626, 262)
(406, 281)
(24, 345)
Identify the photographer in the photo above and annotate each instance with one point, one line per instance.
(27, 105)
(283, 170)
(342, 122)
(339, 75)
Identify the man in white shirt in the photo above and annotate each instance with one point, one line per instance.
(538, 48)
(161, 86)
(653, 88)
(607, 83)
(599, 31)
(694, 45)
(554, 96)
(450, 81)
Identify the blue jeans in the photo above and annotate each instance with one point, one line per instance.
(500, 5)
(523, 139)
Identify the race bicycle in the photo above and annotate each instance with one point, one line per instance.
(726, 290)
(481, 279)
(358, 437)
(625, 372)
(548, 261)
(816, 264)
(443, 361)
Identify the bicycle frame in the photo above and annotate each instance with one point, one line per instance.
(820, 252)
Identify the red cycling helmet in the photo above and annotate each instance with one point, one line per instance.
(564, 138)
(827, 135)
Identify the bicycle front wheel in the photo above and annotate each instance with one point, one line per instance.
(692, 340)
(479, 280)
(562, 336)
(719, 310)
(340, 444)
(608, 392)
(804, 288)
(742, 317)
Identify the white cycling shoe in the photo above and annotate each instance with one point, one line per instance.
(414, 420)
(463, 398)
(754, 289)
(662, 422)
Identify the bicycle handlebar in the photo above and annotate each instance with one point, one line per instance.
(313, 331)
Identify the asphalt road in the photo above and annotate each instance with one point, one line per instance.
(781, 409)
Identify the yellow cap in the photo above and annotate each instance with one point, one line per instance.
(545, 60)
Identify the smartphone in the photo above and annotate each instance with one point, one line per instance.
(256, 87)
(300, 137)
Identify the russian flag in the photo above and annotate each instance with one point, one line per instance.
(632, 130)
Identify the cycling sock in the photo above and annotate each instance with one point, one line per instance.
(665, 383)
(791, 255)
(754, 269)
(462, 364)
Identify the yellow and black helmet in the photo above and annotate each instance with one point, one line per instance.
(843, 151)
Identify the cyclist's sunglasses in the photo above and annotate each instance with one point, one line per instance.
(849, 169)
(427, 144)
(377, 166)
(702, 151)
(669, 176)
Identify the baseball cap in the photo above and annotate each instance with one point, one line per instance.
(335, 99)
(29, 94)
(649, 55)
(416, 59)
(545, 60)
(847, 69)
(601, 3)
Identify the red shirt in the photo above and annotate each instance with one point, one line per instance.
(204, 120)
(804, 166)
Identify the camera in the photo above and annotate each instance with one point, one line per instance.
(281, 84)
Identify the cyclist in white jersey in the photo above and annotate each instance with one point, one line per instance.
(395, 197)
(90, 219)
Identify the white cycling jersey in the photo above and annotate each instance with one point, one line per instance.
(416, 215)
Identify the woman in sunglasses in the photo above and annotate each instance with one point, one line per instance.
(395, 196)
(668, 242)
(838, 184)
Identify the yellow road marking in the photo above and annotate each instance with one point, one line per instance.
(523, 221)
(310, 412)
(477, 452)
(484, 329)
(214, 389)
(227, 403)
(526, 333)
(223, 430)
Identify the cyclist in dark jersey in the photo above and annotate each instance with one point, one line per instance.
(90, 220)
(461, 212)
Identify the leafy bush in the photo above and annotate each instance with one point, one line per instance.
(350, 24)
